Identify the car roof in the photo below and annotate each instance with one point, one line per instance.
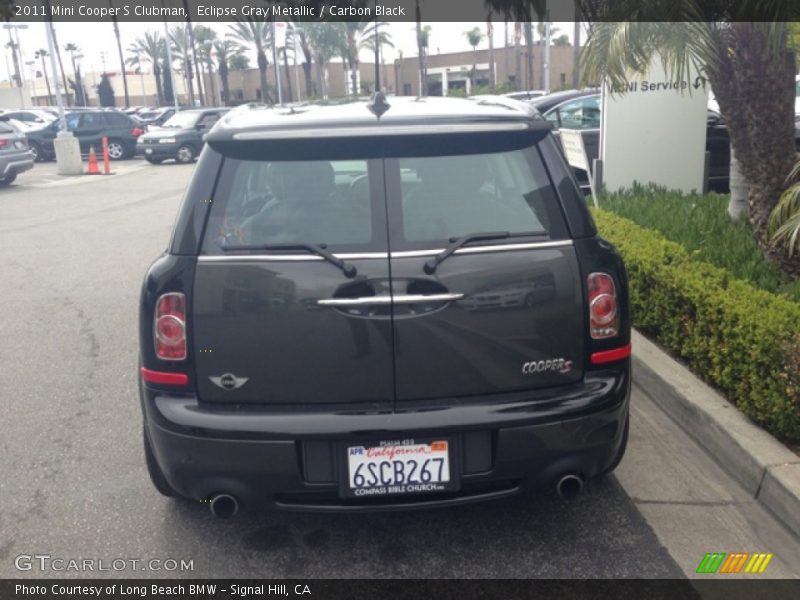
(429, 114)
(545, 103)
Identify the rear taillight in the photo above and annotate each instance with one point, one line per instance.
(4, 143)
(603, 317)
(136, 132)
(169, 328)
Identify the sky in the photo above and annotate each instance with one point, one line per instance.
(97, 42)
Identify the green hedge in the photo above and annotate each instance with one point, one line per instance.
(743, 340)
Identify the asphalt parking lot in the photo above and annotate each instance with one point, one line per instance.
(72, 255)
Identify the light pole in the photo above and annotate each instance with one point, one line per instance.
(275, 60)
(68, 152)
(80, 92)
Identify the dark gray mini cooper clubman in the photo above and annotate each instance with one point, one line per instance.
(371, 307)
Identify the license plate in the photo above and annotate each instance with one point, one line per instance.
(390, 468)
(148, 150)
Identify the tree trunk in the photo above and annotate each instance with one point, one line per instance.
(517, 56)
(307, 78)
(288, 75)
(159, 90)
(262, 76)
(223, 77)
(490, 34)
(739, 203)
(756, 99)
(576, 52)
(528, 29)
(187, 74)
(47, 81)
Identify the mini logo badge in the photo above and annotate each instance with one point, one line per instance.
(229, 381)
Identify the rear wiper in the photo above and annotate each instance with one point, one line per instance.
(320, 250)
(458, 242)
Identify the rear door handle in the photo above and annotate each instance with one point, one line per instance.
(400, 299)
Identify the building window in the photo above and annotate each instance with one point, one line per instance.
(563, 78)
(406, 89)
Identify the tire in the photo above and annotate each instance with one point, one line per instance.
(38, 156)
(622, 447)
(184, 155)
(156, 476)
(8, 179)
(116, 150)
(154, 161)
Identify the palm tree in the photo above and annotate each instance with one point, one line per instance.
(257, 34)
(784, 221)
(193, 47)
(541, 29)
(150, 48)
(119, 52)
(517, 56)
(225, 50)
(740, 59)
(80, 98)
(298, 35)
(474, 37)
(182, 52)
(326, 40)
(42, 53)
(60, 63)
(376, 35)
(205, 37)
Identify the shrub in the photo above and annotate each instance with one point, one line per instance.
(741, 339)
(700, 223)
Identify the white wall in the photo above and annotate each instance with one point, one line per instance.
(655, 135)
(10, 97)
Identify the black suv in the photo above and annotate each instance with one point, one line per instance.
(90, 127)
(360, 312)
(180, 138)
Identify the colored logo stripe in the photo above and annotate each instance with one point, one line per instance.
(711, 562)
(758, 563)
(720, 562)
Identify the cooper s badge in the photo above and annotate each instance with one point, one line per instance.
(561, 365)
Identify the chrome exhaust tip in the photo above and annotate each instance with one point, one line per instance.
(224, 506)
(569, 486)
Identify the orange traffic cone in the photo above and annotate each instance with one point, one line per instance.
(93, 168)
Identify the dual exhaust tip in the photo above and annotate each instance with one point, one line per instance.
(569, 486)
(225, 506)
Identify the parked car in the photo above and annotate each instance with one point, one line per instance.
(583, 112)
(15, 156)
(525, 95)
(90, 127)
(289, 359)
(32, 118)
(156, 117)
(180, 138)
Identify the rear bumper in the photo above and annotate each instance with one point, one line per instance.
(17, 163)
(159, 151)
(292, 461)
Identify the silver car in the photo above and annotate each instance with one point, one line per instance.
(15, 155)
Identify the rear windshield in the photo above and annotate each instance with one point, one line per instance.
(443, 197)
(344, 204)
(285, 202)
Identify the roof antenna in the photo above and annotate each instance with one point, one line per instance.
(378, 104)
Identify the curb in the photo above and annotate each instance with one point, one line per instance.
(760, 463)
